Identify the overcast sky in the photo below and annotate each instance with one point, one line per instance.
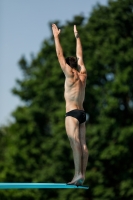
(23, 27)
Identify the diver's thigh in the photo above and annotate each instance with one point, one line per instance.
(82, 133)
(72, 126)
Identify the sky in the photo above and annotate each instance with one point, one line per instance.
(23, 28)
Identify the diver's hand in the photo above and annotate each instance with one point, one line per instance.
(55, 30)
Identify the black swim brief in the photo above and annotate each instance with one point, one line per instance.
(80, 115)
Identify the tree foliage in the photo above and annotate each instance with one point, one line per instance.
(35, 147)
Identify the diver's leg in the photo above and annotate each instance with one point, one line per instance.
(72, 129)
(85, 154)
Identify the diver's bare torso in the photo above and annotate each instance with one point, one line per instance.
(75, 90)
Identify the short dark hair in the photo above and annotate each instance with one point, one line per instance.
(72, 61)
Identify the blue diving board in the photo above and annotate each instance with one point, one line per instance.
(38, 185)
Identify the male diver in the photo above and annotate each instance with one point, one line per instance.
(75, 83)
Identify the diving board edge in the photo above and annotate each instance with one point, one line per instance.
(40, 186)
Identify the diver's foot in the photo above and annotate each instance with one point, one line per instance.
(77, 180)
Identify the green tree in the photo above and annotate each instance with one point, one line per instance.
(110, 39)
(38, 149)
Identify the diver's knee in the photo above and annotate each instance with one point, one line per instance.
(85, 150)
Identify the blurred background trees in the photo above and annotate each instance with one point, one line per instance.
(35, 148)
